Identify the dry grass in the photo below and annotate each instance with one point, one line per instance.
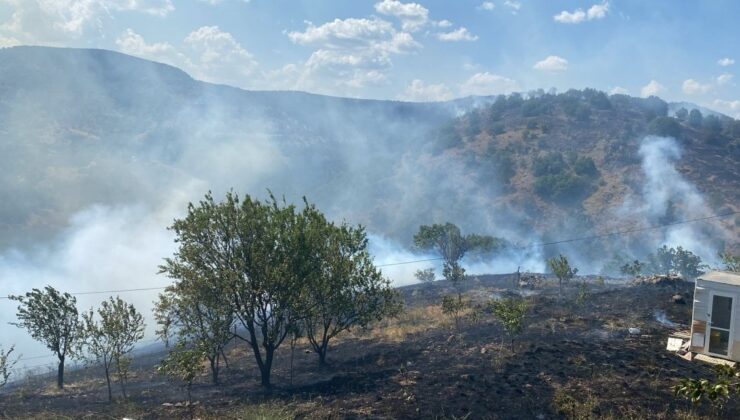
(409, 322)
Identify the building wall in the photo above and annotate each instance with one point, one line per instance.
(699, 324)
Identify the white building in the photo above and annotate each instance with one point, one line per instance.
(715, 323)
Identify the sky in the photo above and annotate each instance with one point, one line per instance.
(415, 51)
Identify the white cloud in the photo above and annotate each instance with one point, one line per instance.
(8, 42)
(350, 52)
(488, 84)
(618, 90)
(215, 2)
(56, 21)
(513, 6)
(413, 16)
(444, 23)
(552, 63)
(724, 62)
(724, 78)
(692, 87)
(207, 53)
(597, 11)
(418, 91)
(460, 34)
(132, 43)
(652, 89)
(487, 5)
(730, 107)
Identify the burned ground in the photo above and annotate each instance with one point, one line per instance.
(573, 361)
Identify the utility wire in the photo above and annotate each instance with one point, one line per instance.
(532, 245)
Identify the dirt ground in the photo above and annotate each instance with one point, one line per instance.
(575, 359)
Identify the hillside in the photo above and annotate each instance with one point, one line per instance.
(85, 128)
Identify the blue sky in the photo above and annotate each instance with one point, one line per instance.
(424, 50)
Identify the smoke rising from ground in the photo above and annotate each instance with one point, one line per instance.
(103, 154)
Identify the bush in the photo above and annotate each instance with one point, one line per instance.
(665, 126)
(563, 187)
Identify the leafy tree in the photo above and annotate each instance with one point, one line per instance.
(635, 268)
(425, 276)
(687, 264)
(695, 118)
(561, 268)
(712, 123)
(454, 306)
(511, 312)
(262, 253)
(682, 114)
(452, 245)
(197, 309)
(6, 365)
(110, 340)
(731, 262)
(346, 290)
(662, 260)
(52, 318)
(664, 126)
(183, 364)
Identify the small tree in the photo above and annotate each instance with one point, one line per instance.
(563, 271)
(52, 318)
(687, 264)
(635, 268)
(346, 290)
(110, 340)
(425, 276)
(453, 306)
(511, 312)
(183, 364)
(661, 261)
(731, 262)
(6, 365)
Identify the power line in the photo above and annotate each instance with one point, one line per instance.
(532, 245)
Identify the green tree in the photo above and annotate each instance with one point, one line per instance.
(454, 306)
(662, 260)
(563, 271)
(452, 245)
(511, 313)
(346, 290)
(261, 253)
(731, 262)
(183, 364)
(687, 264)
(695, 118)
(635, 268)
(425, 276)
(111, 340)
(51, 317)
(682, 114)
(6, 365)
(197, 309)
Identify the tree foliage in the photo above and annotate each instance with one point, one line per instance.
(346, 290)
(51, 317)
(730, 261)
(561, 268)
(668, 260)
(452, 245)
(727, 383)
(511, 313)
(183, 364)
(7, 362)
(634, 268)
(111, 339)
(425, 275)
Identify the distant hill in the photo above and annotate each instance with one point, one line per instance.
(91, 127)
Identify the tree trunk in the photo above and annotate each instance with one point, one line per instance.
(214, 369)
(107, 380)
(60, 373)
(322, 356)
(121, 379)
(265, 370)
